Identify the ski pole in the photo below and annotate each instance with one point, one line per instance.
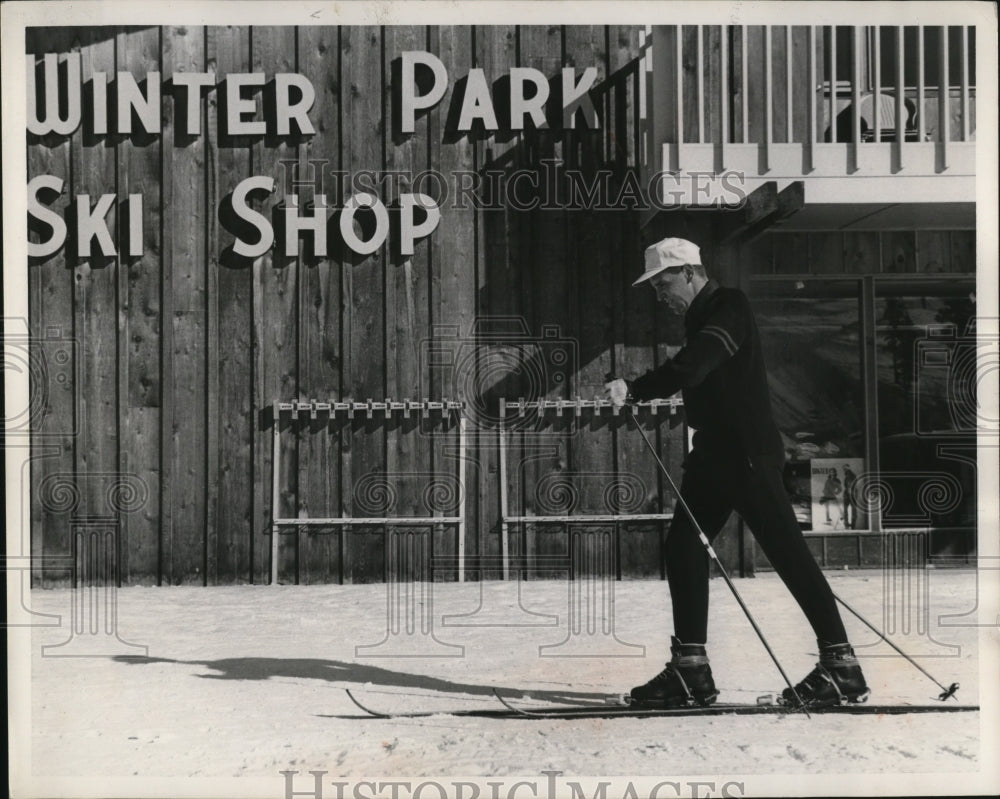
(711, 553)
(946, 693)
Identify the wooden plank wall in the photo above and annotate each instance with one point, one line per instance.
(50, 311)
(181, 352)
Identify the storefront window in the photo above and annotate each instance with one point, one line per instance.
(927, 356)
(813, 355)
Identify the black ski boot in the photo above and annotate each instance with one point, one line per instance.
(836, 680)
(687, 680)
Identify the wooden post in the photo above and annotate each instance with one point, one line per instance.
(812, 95)
(921, 124)
(768, 94)
(724, 91)
(505, 553)
(869, 361)
(900, 98)
(275, 490)
(944, 120)
(833, 83)
(700, 73)
(877, 83)
(965, 83)
(679, 86)
(856, 97)
(462, 445)
(789, 128)
(744, 109)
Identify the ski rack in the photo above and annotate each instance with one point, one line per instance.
(520, 408)
(368, 408)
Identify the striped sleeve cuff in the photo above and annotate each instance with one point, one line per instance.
(723, 336)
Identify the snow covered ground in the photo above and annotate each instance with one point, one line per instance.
(240, 683)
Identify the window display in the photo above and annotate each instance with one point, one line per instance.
(813, 356)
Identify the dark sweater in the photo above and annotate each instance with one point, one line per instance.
(720, 371)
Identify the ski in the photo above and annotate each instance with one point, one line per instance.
(616, 703)
(509, 710)
(490, 712)
(720, 709)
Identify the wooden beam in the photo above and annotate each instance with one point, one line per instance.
(764, 208)
(760, 203)
(790, 199)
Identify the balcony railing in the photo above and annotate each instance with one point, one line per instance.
(792, 102)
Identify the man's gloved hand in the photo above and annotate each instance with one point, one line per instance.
(616, 391)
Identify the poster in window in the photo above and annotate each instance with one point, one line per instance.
(832, 482)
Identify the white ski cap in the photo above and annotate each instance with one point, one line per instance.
(667, 253)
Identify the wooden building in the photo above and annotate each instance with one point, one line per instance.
(171, 355)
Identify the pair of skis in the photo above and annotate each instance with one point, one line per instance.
(616, 708)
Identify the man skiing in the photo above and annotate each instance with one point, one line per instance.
(735, 463)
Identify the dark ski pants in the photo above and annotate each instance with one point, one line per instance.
(713, 488)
